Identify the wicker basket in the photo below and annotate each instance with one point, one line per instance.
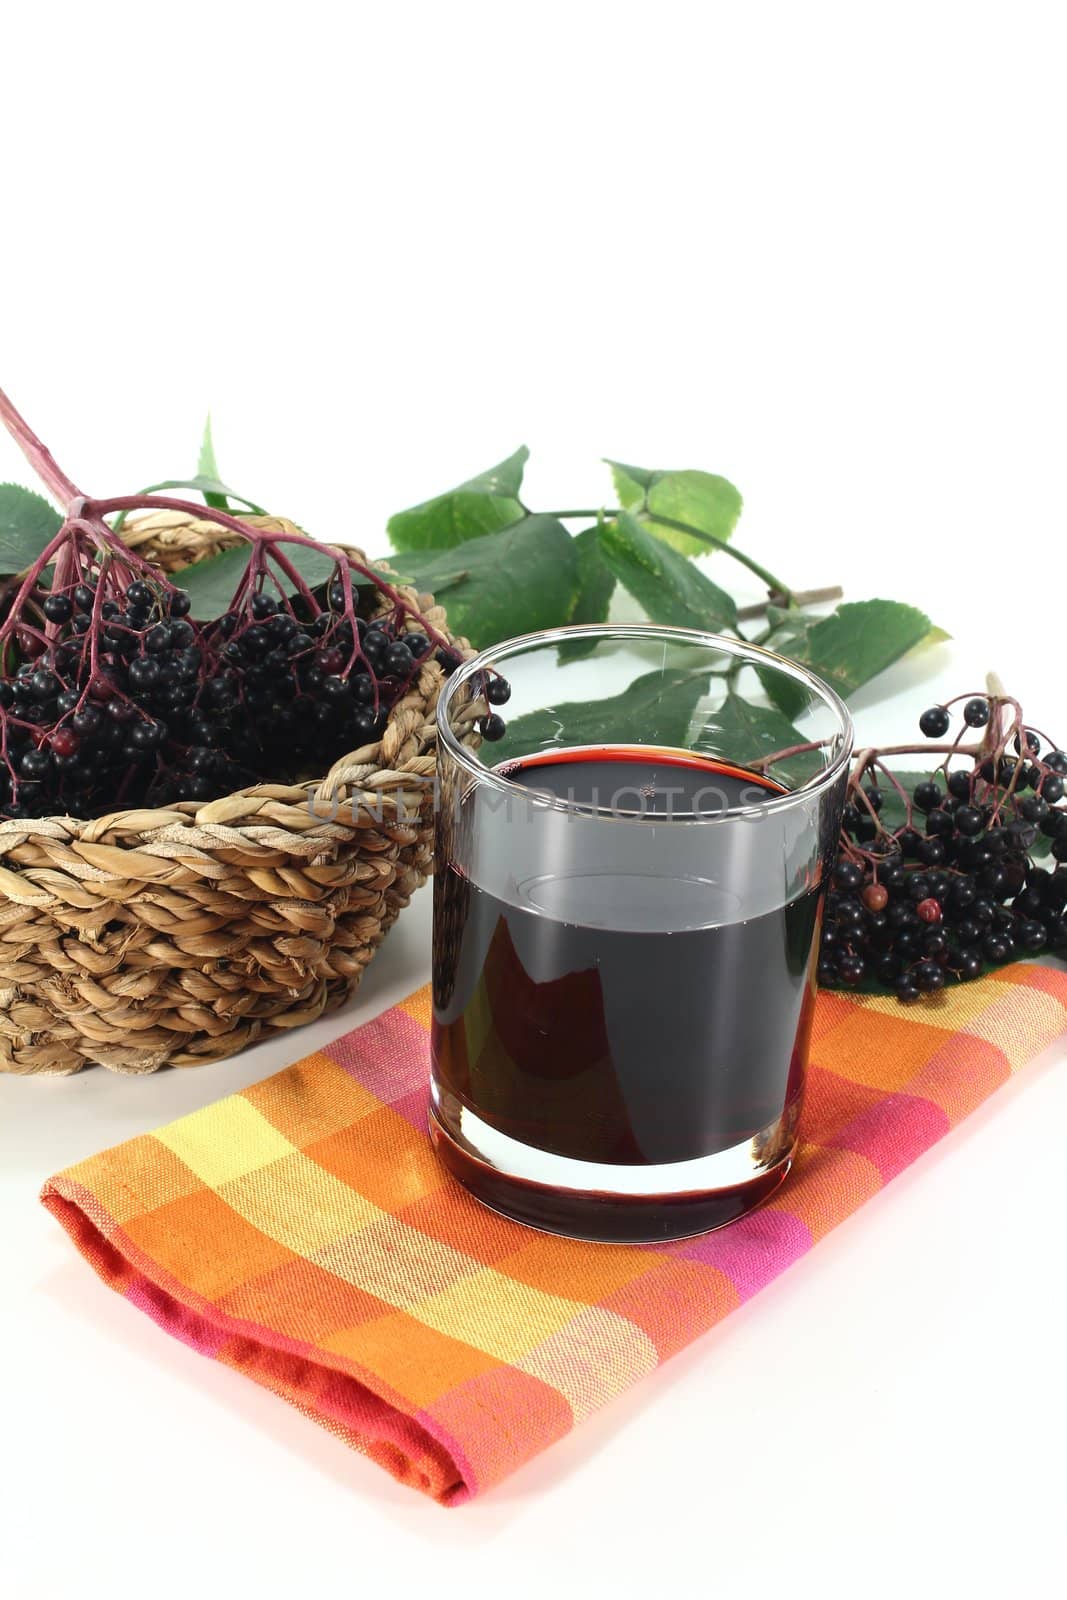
(175, 936)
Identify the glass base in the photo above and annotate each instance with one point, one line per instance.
(610, 1204)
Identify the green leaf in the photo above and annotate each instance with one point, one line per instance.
(703, 500)
(27, 524)
(206, 465)
(518, 580)
(216, 494)
(208, 468)
(657, 708)
(213, 491)
(670, 587)
(480, 506)
(212, 583)
(848, 648)
(596, 585)
(743, 732)
(631, 484)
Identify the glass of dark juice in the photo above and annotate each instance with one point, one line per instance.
(634, 828)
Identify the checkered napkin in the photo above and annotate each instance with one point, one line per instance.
(302, 1232)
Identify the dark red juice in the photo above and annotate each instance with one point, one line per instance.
(611, 1013)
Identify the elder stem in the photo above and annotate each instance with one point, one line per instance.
(37, 453)
(159, 502)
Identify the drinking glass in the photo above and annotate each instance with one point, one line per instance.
(630, 864)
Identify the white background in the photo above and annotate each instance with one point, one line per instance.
(817, 248)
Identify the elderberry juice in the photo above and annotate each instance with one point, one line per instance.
(610, 1003)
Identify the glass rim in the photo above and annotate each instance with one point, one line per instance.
(508, 648)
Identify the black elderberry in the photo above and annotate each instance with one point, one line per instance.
(1056, 761)
(1053, 788)
(995, 947)
(375, 644)
(144, 673)
(36, 763)
(939, 822)
(851, 968)
(934, 722)
(418, 644)
(44, 684)
(179, 604)
(1051, 823)
(255, 645)
(84, 596)
(968, 963)
(848, 874)
(493, 727)
(1033, 807)
(962, 893)
(449, 660)
(139, 594)
(959, 784)
(182, 635)
(1031, 936)
(87, 720)
(968, 821)
(57, 608)
(911, 843)
(262, 605)
(498, 693)
(157, 639)
(976, 713)
(929, 976)
(932, 852)
(906, 990)
(148, 735)
(194, 787)
(398, 660)
(927, 795)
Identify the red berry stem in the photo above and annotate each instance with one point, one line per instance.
(37, 454)
(268, 536)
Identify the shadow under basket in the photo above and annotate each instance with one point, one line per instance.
(179, 935)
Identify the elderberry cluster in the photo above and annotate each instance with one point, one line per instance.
(959, 886)
(119, 699)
